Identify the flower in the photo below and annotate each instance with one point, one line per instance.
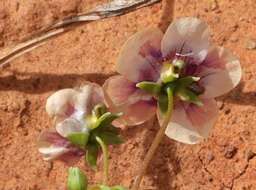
(183, 57)
(71, 109)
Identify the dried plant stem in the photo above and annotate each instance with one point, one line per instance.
(156, 142)
(167, 14)
(111, 9)
(105, 159)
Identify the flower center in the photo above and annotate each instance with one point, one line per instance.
(174, 74)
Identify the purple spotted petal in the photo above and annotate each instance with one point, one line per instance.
(141, 55)
(187, 36)
(53, 146)
(220, 72)
(74, 102)
(190, 123)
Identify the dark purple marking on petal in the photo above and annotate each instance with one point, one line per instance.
(149, 52)
(154, 58)
(152, 102)
(55, 139)
(70, 110)
(72, 156)
(213, 60)
(147, 74)
(190, 70)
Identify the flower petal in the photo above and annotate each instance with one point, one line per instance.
(61, 103)
(52, 146)
(220, 72)
(138, 60)
(121, 95)
(135, 114)
(187, 35)
(118, 89)
(74, 102)
(190, 124)
(69, 126)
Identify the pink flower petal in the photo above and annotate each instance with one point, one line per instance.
(69, 126)
(74, 102)
(190, 124)
(140, 55)
(61, 103)
(118, 89)
(135, 114)
(121, 95)
(220, 72)
(187, 35)
(52, 146)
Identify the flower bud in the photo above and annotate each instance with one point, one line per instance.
(76, 179)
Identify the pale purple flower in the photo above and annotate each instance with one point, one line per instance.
(69, 108)
(142, 58)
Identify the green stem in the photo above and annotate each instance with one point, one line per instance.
(156, 142)
(105, 159)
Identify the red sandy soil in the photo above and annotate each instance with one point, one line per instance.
(223, 162)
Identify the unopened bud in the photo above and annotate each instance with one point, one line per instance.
(76, 179)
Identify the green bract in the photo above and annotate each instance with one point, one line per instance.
(76, 179)
(98, 125)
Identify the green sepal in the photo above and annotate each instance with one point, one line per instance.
(112, 129)
(92, 155)
(149, 87)
(99, 110)
(110, 138)
(186, 81)
(76, 179)
(168, 73)
(189, 96)
(106, 119)
(79, 139)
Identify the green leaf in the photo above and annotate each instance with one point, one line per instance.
(79, 139)
(106, 119)
(110, 138)
(92, 155)
(76, 179)
(189, 96)
(149, 87)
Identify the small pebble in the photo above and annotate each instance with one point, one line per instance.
(230, 151)
(249, 155)
(250, 44)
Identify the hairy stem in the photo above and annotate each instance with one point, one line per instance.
(105, 159)
(156, 142)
